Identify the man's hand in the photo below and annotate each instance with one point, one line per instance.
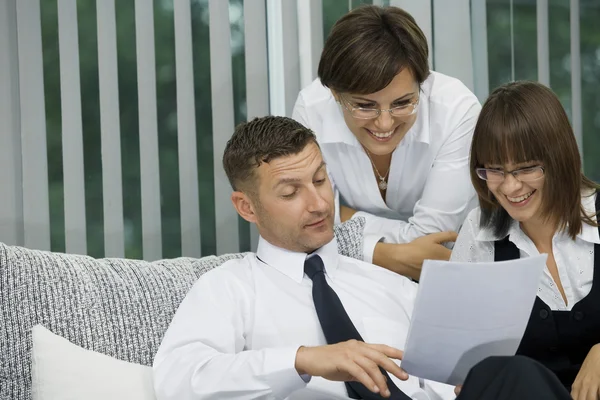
(346, 213)
(352, 361)
(407, 258)
(587, 383)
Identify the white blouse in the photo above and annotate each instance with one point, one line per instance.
(574, 258)
(429, 189)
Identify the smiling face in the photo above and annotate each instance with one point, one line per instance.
(523, 124)
(293, 207)
(522, 199)
(382, 135)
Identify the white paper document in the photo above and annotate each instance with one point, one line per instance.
(465, 312)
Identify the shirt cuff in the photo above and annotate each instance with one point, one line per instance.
(369, 243)
(282, 377)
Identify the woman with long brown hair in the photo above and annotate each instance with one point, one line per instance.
(526, 168)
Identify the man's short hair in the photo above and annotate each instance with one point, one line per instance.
(261, 140)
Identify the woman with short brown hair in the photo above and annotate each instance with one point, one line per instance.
(394, 134)
(526, 169)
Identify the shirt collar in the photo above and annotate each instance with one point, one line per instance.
(488, 235)
(588, 233)
(291, 263)
(335, 129)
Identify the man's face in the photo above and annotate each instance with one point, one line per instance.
(294, 205)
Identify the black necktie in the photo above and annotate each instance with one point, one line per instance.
(338, 327)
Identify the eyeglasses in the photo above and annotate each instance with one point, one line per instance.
(370, 113)
(527, 174)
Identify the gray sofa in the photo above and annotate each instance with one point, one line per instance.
(117, 307)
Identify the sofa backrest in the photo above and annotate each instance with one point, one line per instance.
(117, 307)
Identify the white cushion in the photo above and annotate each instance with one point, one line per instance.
(62, 370)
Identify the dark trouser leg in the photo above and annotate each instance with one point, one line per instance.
(518, 377)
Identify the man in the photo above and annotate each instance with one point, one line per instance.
(296, 320)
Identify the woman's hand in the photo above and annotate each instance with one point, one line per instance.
(587, 382)
(431, 247)
(407, 258)
(457, 389)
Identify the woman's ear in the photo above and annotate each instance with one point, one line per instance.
(336, 95)
(491, 197)
(244, 206)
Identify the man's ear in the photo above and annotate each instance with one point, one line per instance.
(244, 206)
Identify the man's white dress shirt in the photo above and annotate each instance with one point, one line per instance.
(429, 188)
(236, 334)
(574, 258)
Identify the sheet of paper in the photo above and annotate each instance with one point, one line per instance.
(465, 312)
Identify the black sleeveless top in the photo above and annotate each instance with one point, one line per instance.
(560, 339)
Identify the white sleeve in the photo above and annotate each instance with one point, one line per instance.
(448, 195)
(202, 354)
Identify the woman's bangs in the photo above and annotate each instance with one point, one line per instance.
(505, 138)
